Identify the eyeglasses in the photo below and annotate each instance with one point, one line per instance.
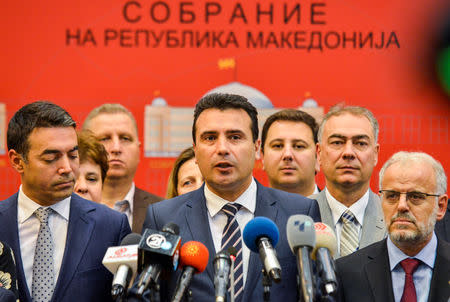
(413, 197)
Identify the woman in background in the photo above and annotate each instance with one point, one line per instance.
(185, 176)
(93, 167)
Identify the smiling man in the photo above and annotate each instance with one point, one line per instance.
(412, 264)
(58, 238)
(348, 152)
(225, 134)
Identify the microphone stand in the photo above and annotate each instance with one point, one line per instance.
(267, 283)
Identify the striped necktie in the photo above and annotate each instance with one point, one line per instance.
(231, 236)
(349, 234)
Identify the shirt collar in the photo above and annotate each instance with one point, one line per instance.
(130, 196)
(358, 208)
(427, 255)
(27, 207)
(214, 203)
(316, 190)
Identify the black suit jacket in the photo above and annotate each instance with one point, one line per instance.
(442, 227)
(92, 229)
(141, 200)
(365, 275)
(189, 212)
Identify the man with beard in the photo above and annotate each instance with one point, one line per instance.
(411, 264)
(58, 238)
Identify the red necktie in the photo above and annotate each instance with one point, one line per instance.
(409, 291)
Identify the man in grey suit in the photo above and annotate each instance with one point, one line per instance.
(115, 127)
(347, 152)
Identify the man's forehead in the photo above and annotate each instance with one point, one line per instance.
(241, 120)
(298, 125)
(349, 125)
(111, 122)
(419, 173)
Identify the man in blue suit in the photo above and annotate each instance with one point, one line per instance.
(58, 238)
(225, 134)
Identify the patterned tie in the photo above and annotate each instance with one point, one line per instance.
(232, 237)
(122, 206)
(349, 234)
(43, 275)
(409, 291)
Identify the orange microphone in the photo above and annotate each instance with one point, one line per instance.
(193, 259)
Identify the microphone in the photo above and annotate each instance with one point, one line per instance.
(324, 251)
(222, 267)
(122, 262)
(261, 235)
(302, 239)
(158, 252)
(194, 259)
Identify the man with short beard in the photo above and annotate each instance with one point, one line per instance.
(412, 264)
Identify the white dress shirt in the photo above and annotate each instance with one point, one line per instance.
(29, 225)
(129, 197)
(337, 209)
(218, 219)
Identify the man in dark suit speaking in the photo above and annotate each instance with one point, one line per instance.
(412, 264)
(58, 238)
(225, 134)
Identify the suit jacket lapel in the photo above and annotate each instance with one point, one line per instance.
(324, 207)
(373, 228)
(78, 234)
(10, 234)
(441, 274)
(198, 224)
(266, 208)
(378, 273)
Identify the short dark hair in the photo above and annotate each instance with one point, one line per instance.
(224, 101)
(89, 148)
(291, 115)
(40, 114)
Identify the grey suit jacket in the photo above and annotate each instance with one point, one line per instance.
(373, 228)
(142, 199)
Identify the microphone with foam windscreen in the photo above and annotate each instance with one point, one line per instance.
(261, 236)
(194, 257)
(323, 253)
(158, 253)
(122, 262)
(302, 239)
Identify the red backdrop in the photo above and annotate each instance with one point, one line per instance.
(376, 54)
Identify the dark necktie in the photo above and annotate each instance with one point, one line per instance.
(122, 206)
(43, 276)
(409, 265)
(231, 236)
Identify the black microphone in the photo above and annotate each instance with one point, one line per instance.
(302, 239)
(222, 267)
(159, 252)
(261, 236)
(122, 262)
(323, 253)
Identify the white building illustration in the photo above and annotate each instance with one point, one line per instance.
(168, 130)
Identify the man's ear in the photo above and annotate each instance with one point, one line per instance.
(442, 206)
(16, 160)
